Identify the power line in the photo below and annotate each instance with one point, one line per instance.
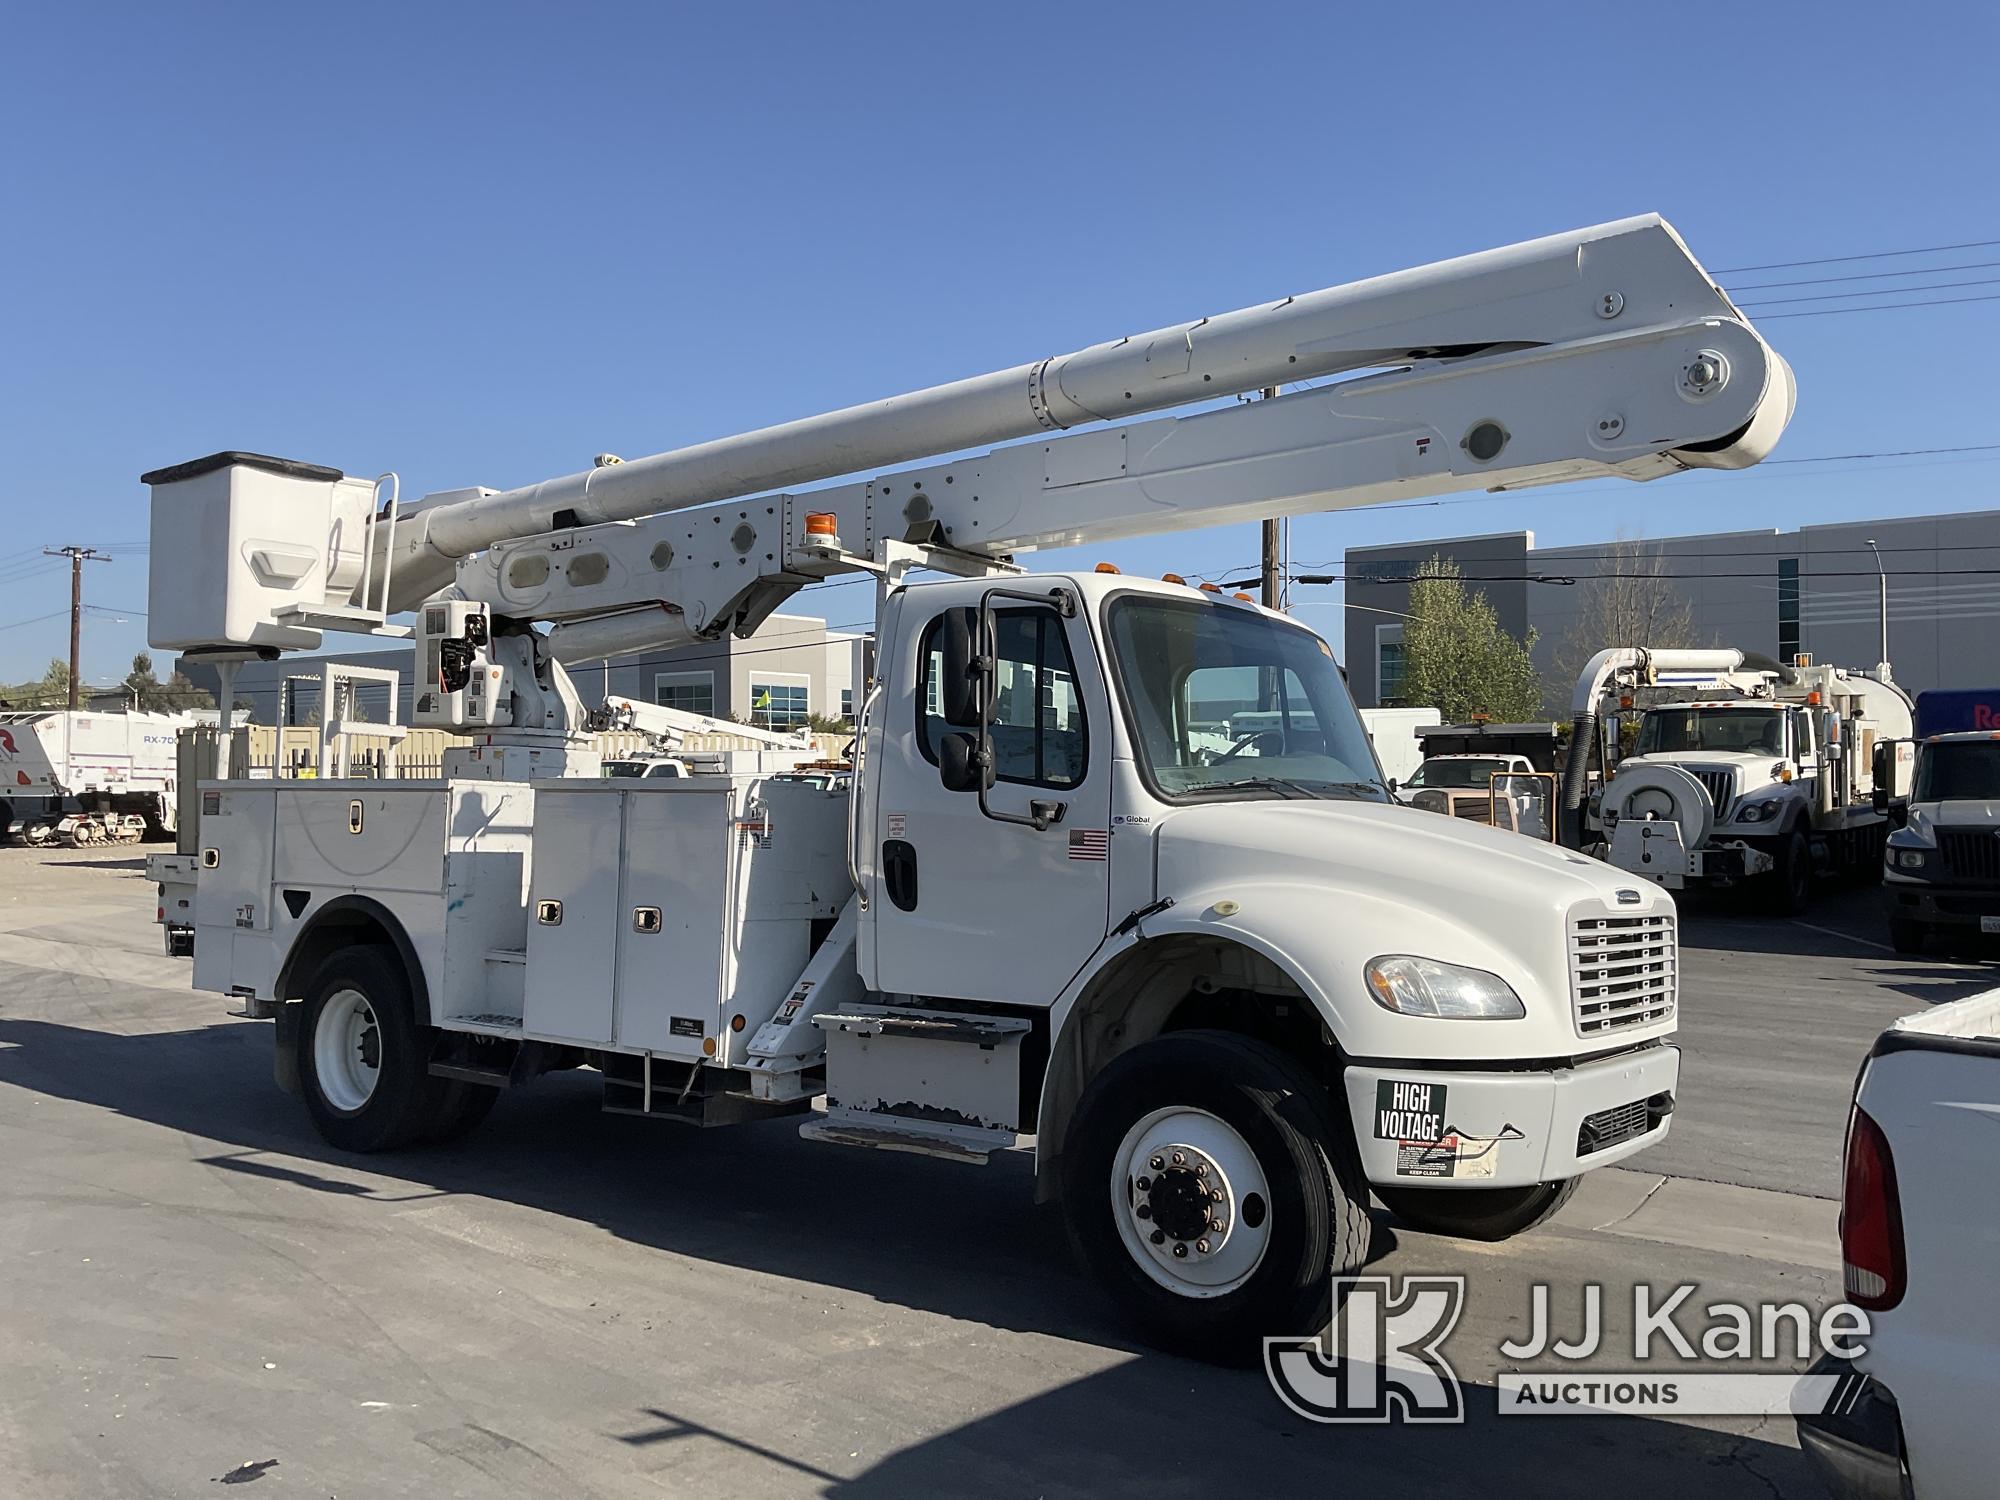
(1830, 260)
(1830, 458)
(1828, 312)
(1765, 286)
(1940, 286)
(36, 619)
(1879, 291)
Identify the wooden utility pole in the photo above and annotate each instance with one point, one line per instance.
(1272, 563)
(76, 556)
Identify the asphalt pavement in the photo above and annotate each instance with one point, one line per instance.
(572, 1303)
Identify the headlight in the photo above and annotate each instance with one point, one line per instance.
(1424, 987)
(1757, 812)
(1909, 859)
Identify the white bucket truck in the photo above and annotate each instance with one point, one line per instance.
(1755, 773)
(1221, 991)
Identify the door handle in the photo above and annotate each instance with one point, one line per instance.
(899, 873)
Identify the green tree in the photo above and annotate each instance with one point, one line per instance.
(53, 690)
(1457, 658)
(154, 696)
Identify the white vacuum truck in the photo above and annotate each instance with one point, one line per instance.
(1756, 773)
(1219, 991)
(85, 777)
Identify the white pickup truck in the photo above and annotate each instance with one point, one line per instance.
(1920, 1236)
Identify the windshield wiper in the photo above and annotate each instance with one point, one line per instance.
(1372, 789)
(1318, 790)
(1278, 784)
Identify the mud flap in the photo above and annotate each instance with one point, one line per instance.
(285, 1051)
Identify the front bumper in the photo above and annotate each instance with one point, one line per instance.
(1857, 1442)
(1655, 852)
(1474, 1128)
(1936, 904)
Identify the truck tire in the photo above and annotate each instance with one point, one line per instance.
(465, 1105)
(1477, 1213)
(1790, 885)
(6, 821)
(1212, 1107)
(364, 1062)
(1906, 935)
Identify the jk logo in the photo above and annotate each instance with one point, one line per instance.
(1380, 1361)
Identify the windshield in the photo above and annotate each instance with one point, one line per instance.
(624, 768)
(1457, 773)
(1959, 771)
(1759, 731)
(1224, 698)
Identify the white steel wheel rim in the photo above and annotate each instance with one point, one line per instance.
(347, 1051)
(1196, 1153)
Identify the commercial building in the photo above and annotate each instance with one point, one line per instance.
(1815, 590)
(792, 668)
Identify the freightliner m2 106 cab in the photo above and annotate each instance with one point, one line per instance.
(1222, 991)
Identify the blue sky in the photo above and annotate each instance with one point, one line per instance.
(479, 243)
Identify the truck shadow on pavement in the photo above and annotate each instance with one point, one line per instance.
(1161, 1426)
(875, 1231)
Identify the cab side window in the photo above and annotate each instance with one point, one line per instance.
(1039, 734)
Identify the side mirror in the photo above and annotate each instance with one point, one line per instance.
(1394, 786)
(964, 665)
(962, 766)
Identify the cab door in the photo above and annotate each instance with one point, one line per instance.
(963, 904)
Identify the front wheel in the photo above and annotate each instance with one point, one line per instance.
(1791, 882)
(1212, 1190)
(1477, 1213)
(364, 1062)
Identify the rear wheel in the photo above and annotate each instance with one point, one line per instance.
(1906, 936)
(364, 1062)
(1213, 1192)
(1791, 883)
(1477, 1213)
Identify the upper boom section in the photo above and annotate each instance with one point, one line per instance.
(1605, 351)
(1632, 273)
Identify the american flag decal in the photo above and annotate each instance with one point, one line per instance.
(1089, 843)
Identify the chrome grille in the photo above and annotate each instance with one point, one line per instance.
(1969, 853)
(1623, 971)
(1720, 786)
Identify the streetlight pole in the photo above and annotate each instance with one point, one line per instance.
(1882, 577)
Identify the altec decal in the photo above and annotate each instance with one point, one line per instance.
(7, 741)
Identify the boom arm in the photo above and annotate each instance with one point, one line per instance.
(670, 727)
(1603, 352)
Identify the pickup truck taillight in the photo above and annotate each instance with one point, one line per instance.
(1871, 1219)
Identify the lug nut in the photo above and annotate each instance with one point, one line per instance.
(1159, 1236)
(1215, 1194)
(1180, 1158)
(1143, 1183)
(1180, 1250)
(1202, 1246)
(1201, 1169)
(1157, 1164)
(1144, 1210)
